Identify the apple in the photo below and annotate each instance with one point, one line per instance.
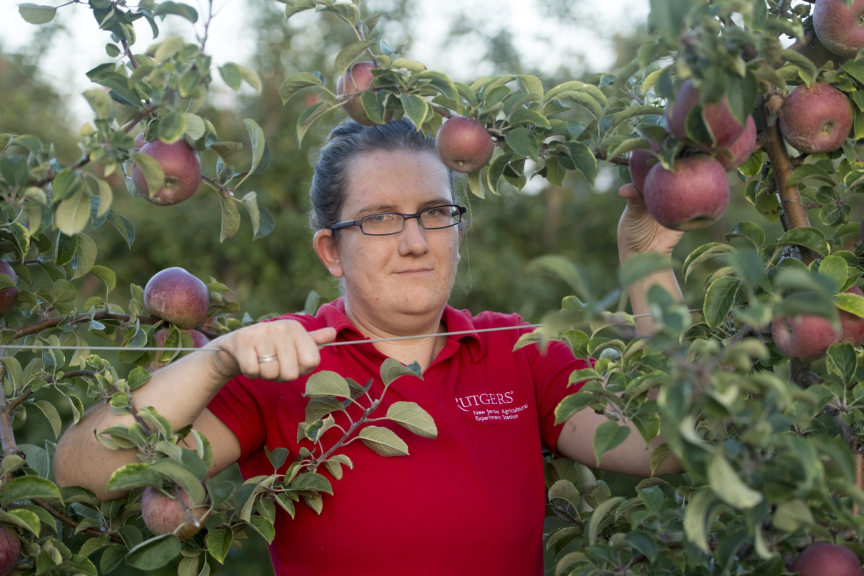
(852, 326)
(164, 514)
(198, 341)
(840, 27)
(695, 195)
(740, 150)
(825, 559)
(177, 296)
(816, 119)
(10, 547)
(182, 169)
(139, 141)
(817, 53)
(358, 77)
(723, 125)
(7, 295)
(640, 163)
(804, 337)
(463, 144)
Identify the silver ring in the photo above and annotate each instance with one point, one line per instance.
(262, 359)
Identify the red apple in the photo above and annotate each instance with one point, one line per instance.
(817, 53)
(740, 150)
(10, 547)
(7, 295)
(198, 341)
(358, 77)
(178, 297)
(723, 125)
(640, 163)
(816, 119)
(852, 326)
(463, 144)
(695, 195)
(182, 169)
(164, 514)
(840, 27)
(139, 141)
(804, 337)
(824, 559)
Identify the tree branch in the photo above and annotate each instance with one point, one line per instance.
(69, 521)
(617, 161)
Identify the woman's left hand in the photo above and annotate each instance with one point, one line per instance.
(638, 231)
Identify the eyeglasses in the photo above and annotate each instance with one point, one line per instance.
(387, 223)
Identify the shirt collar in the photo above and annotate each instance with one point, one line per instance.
(333, 315)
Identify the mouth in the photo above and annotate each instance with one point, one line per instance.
(413, 271)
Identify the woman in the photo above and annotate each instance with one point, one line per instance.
(468, 502)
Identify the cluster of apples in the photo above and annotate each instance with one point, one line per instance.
(462, 143)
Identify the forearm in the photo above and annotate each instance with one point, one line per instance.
(639, 297)
(179, 392)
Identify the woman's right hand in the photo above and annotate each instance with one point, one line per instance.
(295, 349)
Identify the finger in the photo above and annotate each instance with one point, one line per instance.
(268, 370)
(631, 194)
(247, 359)
(288, 370)
(323, 336)
(308, 356)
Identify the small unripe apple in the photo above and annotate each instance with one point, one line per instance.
(161, 335)
(10, 547)
(463, 144)
(358, 77)
(718, 116)
(163, 514)
(178, 297)
(852, 326)
(182, 169)
(816, 119)
(740, 150)
(825, 559)
(804, 337)
(7, 295)
(640, 163)
(695, 195)
(840, 27)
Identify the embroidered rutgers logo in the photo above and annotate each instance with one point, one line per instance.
(491, 406)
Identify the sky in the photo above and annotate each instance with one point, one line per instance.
(544, 41)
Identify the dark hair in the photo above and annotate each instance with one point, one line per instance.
(348, 140)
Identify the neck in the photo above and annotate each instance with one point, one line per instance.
(420, 350)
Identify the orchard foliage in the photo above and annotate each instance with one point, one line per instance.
(771, 446)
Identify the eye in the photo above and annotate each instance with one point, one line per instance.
(434, 212)
(378, 217)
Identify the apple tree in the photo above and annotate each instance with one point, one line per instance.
(757, 392)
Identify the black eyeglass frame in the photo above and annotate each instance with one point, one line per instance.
(405, 217)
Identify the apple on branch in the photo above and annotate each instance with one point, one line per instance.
(840, 26)
(718, 117)
(804, 337)
(7, 295)
(358, 78)
(10, 547)
(740, 150)
(816, 119)
(182, 169)
(463, 144)
(161, 335)
(166, 515)
(177, 296)
(825, 559)
(695, 195)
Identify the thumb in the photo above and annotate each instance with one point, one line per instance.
(630, 193)
(324, 335)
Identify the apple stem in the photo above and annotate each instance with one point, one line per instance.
(362, 38)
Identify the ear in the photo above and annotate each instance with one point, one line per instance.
(327, 249)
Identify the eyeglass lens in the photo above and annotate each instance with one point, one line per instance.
(391, 223)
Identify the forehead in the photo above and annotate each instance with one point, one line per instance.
(400, 180)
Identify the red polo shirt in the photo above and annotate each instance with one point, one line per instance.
(469, 502)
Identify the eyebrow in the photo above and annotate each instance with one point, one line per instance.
(392, 208)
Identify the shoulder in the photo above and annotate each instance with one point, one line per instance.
(308, 322)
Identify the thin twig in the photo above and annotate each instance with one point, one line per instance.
(69, 521)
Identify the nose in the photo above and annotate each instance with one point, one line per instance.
(412, 241)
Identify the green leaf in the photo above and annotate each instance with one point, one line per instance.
(640, 265)
(172, 126)
(392, 369)
(260, 150)
(85, 256)
(791, 515)
(52, 415)
(326, 383)
(582, 159)
(572, 404)
(345, 10)
(264, 527)
(411, 416)
(383, 441)
(726, 482)
(719, 299)
(528, 116)
(350, 53)
(696, 518)
(262, 221)
(188, 566)
(658, 455)
(747, 230)
(230, 217)
(294, 6)
(231, 75)
(851, 303)
(806, 171)
(133, 476)
(843, 361)
(183, 477)
(11, 463)
(219, 542)
(176, 8)
(22, 518)
(73, 213)
(415, 108)
(154, 553)
(565, 490)
(607, 436)
(474, 184)
(312, 481)
(27, 488)
(668, 17)
(35, 14)
(195, 126)
(297, 82)
(592, 527)
(523, 142)
(99, 101)
(168, 48)
(806, 69)
(496, 169)
(807, 237)
(152, 171)
(835, 268)
(106, 275)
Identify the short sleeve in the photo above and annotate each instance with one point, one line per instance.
(551, 372)
(238, 408)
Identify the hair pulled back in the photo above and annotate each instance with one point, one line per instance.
(346, 141)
